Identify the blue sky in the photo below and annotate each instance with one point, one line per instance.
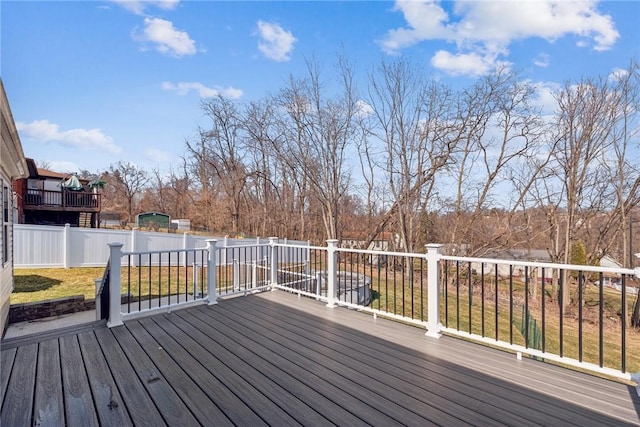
(91, 83)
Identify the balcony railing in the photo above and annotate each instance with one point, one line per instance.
(62, 199)
(515, 305)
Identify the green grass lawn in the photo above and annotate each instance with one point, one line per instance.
(38, 284)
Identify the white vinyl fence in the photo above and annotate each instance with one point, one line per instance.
(41, 246)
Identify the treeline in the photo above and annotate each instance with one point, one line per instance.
(481, 169)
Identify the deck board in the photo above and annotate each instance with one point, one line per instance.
(79, 407)
(139, 404)
(380, 402)
(382, 367)
(274, 359)
(193, 397)
(230, 362)
(17, 406)
(48, 407)
(300, 388)
(211, 375)
(6, 364)
(451, 386)
(161, 391)
(109, 403)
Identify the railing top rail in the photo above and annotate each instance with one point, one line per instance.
(378, 252)
(255, 245)
(552, 265)
(163, 251)
(300, 246)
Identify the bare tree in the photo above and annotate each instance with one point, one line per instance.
(414, 126)
(220, 151)
(501, 133)
(590, 184)
(127, 181)
(318, 133)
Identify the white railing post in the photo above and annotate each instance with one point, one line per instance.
(66, 243)
(332, 272)
(273, 241)
(433, 292)
(115, 300)
(211, 271)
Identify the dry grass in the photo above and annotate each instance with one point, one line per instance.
(38, 284)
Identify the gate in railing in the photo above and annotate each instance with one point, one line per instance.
(576, 315)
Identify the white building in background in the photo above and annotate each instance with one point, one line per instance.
(12, 166)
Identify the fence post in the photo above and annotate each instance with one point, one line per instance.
(115, 314)
(273, 241)
(134, 246)
(66, 243)
(185, 246)
(433, 292)
(211, 271)
(332, 272)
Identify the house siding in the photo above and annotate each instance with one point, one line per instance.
(12, 166)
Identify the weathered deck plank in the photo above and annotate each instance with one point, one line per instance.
(274, 359)
(193, 397)
(159, 389)
(140, 406)
(17, 406)
(48, 407)
(79, 408)
(6, 364)
(109, 403)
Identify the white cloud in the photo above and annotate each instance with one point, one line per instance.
(157, 156)
(464, 63)
(63, 166)
(364, 109)
(545, 97)
(618, 74)
(183, 88)
(483, 30)
(542, 60)
(45, 131)
(138, 6)
(275, 42)
(425, 21)
(166, 38)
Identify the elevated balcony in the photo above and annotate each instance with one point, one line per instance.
(65, 200)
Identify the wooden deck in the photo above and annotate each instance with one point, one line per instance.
(274, 359)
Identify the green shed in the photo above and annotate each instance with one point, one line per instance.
(153, 220)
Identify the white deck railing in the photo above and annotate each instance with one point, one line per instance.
(514, 305)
